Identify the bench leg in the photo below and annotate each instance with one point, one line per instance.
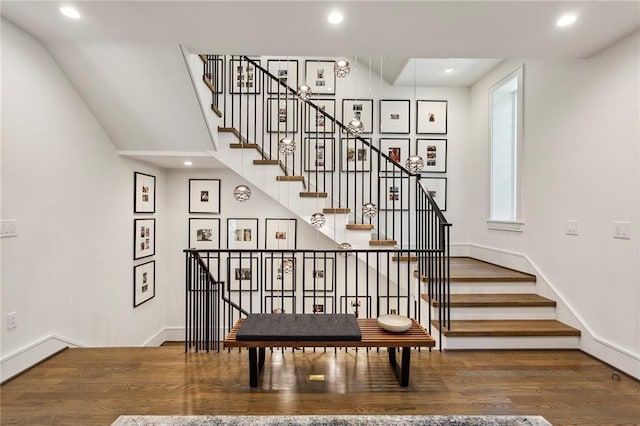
(401, 372)
(256, 362)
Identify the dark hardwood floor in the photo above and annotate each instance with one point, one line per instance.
(95, 386)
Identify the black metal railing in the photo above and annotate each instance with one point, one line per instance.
(262, 109)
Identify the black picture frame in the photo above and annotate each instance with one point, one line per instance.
(434, 154)
(395, 192)
(347, 305)
(204, 233)
(273, 229)
(316, 121)
(320, 76)
(275, 278)
(144, 193)
(144, 238)
(204, 196)
(355, 155)
(291, 79)
(313, 280)
(242, 233)
(274, 301)
(395, 116)
(282, 115)
(144, 282)
(398, 150)
(431, 117)
(245, 81)
(319, 154)
(365, 118)
(243, 273)
(439, 186)
(317, 304)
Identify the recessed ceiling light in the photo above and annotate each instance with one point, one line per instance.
(188, 163)
(567, 19)
(448, 70)
(335, 17)
(70, 12)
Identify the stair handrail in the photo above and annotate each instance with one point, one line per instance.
(213, 280)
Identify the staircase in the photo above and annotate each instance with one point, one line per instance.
(497, 308)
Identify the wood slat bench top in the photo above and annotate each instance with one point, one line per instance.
(372, 336)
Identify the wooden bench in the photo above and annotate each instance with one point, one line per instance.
(373, 336)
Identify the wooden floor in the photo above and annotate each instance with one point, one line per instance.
(95, 386)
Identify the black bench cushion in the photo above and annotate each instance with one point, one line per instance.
(292, 327)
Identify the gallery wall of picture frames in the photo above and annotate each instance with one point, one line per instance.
(144, 237)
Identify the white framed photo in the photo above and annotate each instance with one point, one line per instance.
(360, 109)
(244, 80)
(396, 192)
(320, 77)
(144, 196)
(286, 71)
(280, 234)
(318, 154)
(144, 238)
(360, 306)
(431, 117)
(204, 234)
(398, 150)
(434, 154)
(204, 196)
(243, 273)
(283, 115)
(316, 121)
(318, 304)
(242, 233)
(394, 116)
(144, 282)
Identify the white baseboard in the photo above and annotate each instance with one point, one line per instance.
(25, 358)
(614, 355)
(167, 334)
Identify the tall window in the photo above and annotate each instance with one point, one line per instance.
(506, 151)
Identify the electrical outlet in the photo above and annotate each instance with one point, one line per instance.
(572, 227)
(8, 228)
(12, 320)
(622, 230)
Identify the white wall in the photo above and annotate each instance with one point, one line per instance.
(69, 271)
(581, 162)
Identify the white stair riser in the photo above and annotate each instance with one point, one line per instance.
(520, 342)
(495, 313)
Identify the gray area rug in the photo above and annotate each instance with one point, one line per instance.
(328, 420)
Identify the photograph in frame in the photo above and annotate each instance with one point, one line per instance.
(393, 305)
(144, 195)
(318, 274)
(433, 153)
(286, 71)
(437, 188)
(204, 233)
(144, 283)
(355, 155)
(316, 122)
(394, 116)
(318, 304)
(144, 238)
(243, 273)
(280, 272)
(398, 150)
(242, 233)
(318, 153)
(283, 115)
(362, 109)
(281, 234)
(204, 196)
(244, 79)
(280, 303)
(396, 192)
(431, 117)
(320, 77)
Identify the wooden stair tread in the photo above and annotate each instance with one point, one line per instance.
(264, 161)
(495, 300)
(244, 145)
(359, 226)
(290, 178)
(507, 328)
(336, 210)
(209, 83)
(466, 269)
(383, 242)
(405, 258)
(306, 194)
(216, 110)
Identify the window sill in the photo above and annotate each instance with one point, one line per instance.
(505, 225)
